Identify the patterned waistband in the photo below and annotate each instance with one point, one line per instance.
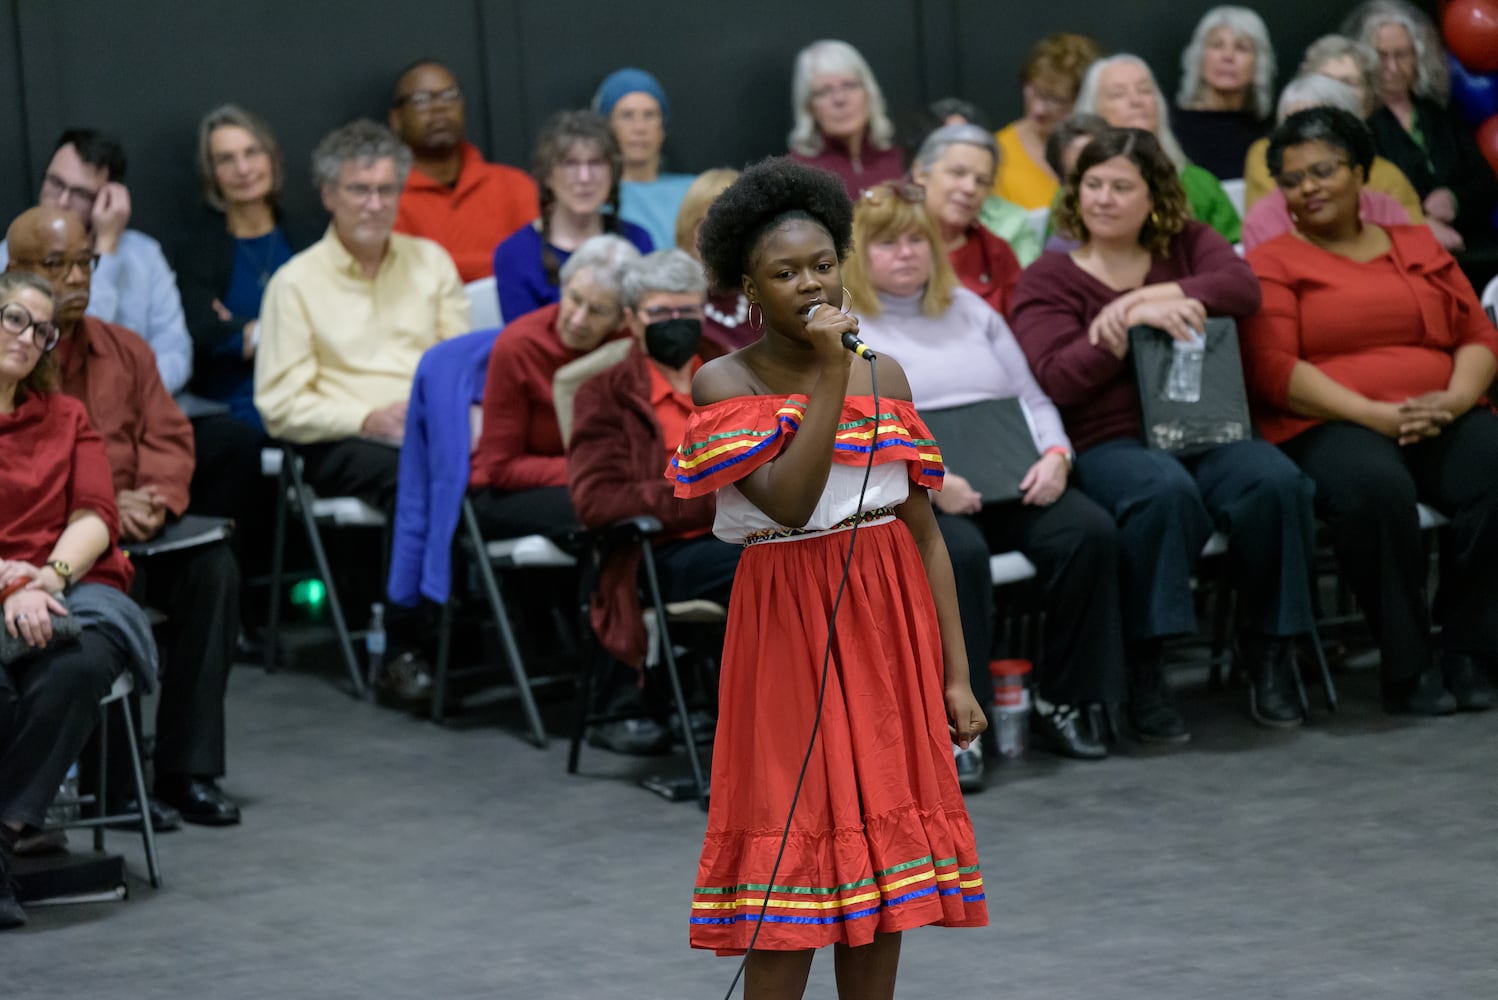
(776, 534)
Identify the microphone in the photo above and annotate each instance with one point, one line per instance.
(850, 339)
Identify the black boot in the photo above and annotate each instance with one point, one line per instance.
(1152, 713)
(11, 914)
(1272, 697)
(1422, 695)
(1467, 680)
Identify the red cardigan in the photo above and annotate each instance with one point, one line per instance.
(987, 267)
(520, 445)
(1057, 301)
(52, 463)
(1386, 328)
(614, 464)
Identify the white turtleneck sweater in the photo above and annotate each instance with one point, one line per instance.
(966, 355)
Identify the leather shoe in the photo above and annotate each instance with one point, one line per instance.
(1424, 695)
(1468, 682)
(11, 914)
(1062, 729)
(164, 819)
(1152, 714)
(632, 737)
(1272, 698)
(200, 801)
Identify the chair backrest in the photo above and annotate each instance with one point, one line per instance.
(571, 376)
(1235, 190)
(483, 304)
(1490, 300)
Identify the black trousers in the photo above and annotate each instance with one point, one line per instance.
(198, 590)
(1366, 490)
(49, 707)
(354, 467)
(1074, 546)
(546, 510)
(1166, 509)
(227, 482)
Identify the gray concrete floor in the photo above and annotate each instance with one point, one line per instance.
(382, 856)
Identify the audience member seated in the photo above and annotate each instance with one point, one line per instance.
(345, 322)
(149, 444)
(56, 542)
(1354, 65)
(1062, 150)
(1227, 90)
(842, 124)
(1270, 216)
(1413, 127)
(955, 167)
(452, 195)
(134, 286)
(1143, 262)
(578, 165)
(519, 475)
(634, 102)
(1050, 77)
(1367, 364)
(1122, 90)
(956, 350)
(725, 314)
(627, 422)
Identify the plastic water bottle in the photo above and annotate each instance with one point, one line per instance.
(1184, 383)
(374, 640)
(1011, 706)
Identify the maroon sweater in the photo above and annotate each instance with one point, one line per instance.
(873, 166)
(1056, 302)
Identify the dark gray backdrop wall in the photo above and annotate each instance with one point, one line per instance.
(147, 70)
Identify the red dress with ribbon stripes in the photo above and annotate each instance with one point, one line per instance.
(881, 840)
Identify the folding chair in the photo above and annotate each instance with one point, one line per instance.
(345, 512)
(119, 694)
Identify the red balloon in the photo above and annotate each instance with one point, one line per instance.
(1487, 141)
(1471, 31)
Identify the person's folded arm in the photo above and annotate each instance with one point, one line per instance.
(1219, 279)
(1053, 335)
(286, 374)
(164, 446)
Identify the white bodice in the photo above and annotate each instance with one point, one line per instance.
(889, 486)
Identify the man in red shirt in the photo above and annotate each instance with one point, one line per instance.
(150, 447)
(452, 196)
(627, 422)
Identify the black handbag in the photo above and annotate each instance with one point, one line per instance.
(13, 650)
(1219, 414)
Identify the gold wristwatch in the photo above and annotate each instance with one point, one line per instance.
(64, 571)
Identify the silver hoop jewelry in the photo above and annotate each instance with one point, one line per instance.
(756, 327)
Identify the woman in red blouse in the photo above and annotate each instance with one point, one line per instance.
(1367, 364)
(60, 526)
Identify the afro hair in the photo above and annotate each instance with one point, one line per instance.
(765, 194)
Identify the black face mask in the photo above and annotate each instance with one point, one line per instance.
(673, 342)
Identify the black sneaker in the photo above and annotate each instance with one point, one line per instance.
(11, 914)
(1423, 695)
(969, 767)
(1467, 681)
(632, 737)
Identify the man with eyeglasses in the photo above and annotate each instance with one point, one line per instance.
(453, 196)
(627, 422)
(133, 286)
(149, 443)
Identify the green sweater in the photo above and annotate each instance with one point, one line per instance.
(1210, 203)
(1011, 223)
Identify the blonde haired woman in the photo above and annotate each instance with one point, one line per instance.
(725, 315)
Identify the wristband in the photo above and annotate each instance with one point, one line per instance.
(14, 588)
(1056, 449)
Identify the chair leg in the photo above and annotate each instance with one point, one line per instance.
(1328, 686)
(153, 866)
(325, 570)
(586, 681)
(444, 654)
(669, 659)
(502, 624)
(277, 566)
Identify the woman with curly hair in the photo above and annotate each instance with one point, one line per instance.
(1142, 261)
(787, 434)
(578, 166)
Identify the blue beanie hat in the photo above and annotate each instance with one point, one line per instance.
(629, 81)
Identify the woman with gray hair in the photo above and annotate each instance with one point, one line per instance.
(842, 125)
(1122, 90)
(1227, 89)
(520, 463)
(955, 167)
(1413, 127)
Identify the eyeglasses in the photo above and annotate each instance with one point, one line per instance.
(58, 189)
(363, 192)
(15, 320)
(56, 268)
(421, 100)
(1053, 100)
(846, 88)
(1323, 171)
(574, 167)
(659, 314)
(911, 194)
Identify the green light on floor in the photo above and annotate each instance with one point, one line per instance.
(309, 593)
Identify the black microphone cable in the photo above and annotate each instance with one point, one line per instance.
(816, 721)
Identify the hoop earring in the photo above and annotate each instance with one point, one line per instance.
(847, 300)
(756, 327)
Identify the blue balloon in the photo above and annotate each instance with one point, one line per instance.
(1475, 93)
